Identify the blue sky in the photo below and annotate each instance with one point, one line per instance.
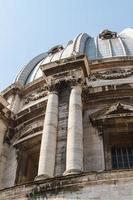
(30, 27)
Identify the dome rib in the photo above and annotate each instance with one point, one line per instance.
(27, 70)
(110, 50)
(80, 42)
(123, 47)
(94, 48)
(97, 49)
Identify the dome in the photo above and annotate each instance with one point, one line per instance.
(31, 71)
(107, 44)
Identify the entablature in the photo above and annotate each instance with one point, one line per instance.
(21, 141)
(107, 63)
(36, 84)
(30, 112)
(35, 97)
(68, 67)
(13, 89)
(28, 131)
(107, 93)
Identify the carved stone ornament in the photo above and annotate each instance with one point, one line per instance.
(29, 130)
(111, 112)
(41, 191)
(119, 108)
(107, 34)
(58, 84)
(111, 74)
(40, 93)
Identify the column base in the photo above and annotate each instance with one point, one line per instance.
(41, 177)
(72, 171)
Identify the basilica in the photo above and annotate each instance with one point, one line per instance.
(66, 123)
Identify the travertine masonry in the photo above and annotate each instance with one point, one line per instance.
(95, 186)
(3, 128)
(74, 160)
(66, 132)
(48, 143)
(60, 163)
(9, 174)
(16, 103)
(93, 146)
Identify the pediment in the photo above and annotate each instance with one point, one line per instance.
(117, 109)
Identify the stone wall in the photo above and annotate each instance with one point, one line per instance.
(60, 162)
(93, 146)
(10, 168)
(88, 186)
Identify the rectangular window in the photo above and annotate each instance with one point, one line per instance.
(122, 157)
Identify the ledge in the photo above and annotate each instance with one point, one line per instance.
(77, 180)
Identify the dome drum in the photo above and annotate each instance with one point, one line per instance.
(68, 122)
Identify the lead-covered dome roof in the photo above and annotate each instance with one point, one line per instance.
(106, 45)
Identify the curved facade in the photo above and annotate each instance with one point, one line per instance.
(94, 48)
(67, 122)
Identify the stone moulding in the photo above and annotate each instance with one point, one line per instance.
(35, 96)
(30, 109)
(54, 185)
(13, 89)
(107, 93)
(111, 63)
(26, 130)
(70, 63)
(27, 137)
(113, 111)
(35, 85)
(111, 74)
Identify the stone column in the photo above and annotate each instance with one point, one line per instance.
(48, 143)
(3, 129)
(10, 101)
(74, 157)
(16, 103)
(3, 159)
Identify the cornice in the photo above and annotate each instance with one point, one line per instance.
(70, 63)
(111, 62)
(107, 93)
(13, 89)
(30, 112)
(34, 133)
(39, 93)
(38, 83)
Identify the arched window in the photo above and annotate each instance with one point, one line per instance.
(28, 158)
(116, 126)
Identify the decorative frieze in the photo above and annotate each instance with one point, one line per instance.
(58, 84)
(29, 129)
(38, 94)
(41, 191)
(107, 34)
(111, 74)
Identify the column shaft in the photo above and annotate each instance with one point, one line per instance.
(3, 160)
(16, 104)
(3, 129)
(74, 161)
(48, 143)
